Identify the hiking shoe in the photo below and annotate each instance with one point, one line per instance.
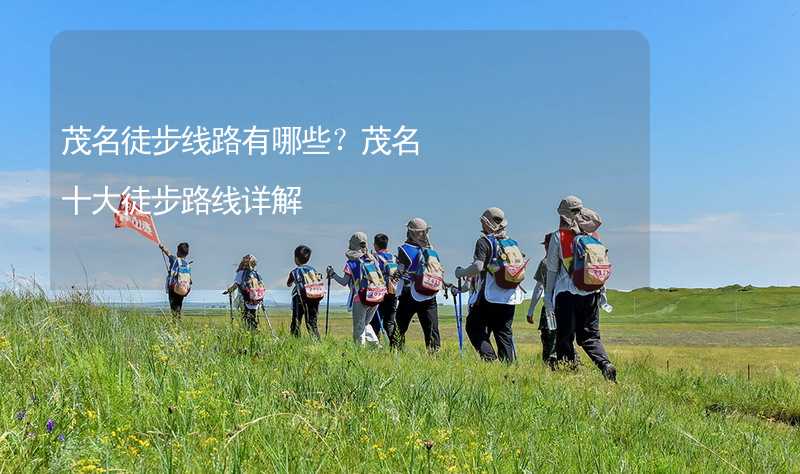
(610, 373)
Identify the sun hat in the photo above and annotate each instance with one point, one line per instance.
(357, 247)
(417, 232)
(494, 220)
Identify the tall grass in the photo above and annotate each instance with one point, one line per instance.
(139, 393)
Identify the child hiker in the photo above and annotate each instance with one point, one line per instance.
(387, 263)
(251, 288)
(308, 290)
(367, 287)
(179, 277)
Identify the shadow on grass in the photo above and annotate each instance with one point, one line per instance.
(787, 417)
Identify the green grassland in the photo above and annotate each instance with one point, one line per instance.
(129, 390)
(713, 330)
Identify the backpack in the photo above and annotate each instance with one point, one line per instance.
(180, 277)
(507, 264)
(369, 282)
(309, 283)
(429, 275)
(388, 266)
(252, 288)
(591, 267)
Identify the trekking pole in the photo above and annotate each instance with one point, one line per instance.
(457, 303)
(230, 306)
(327, 304)
(269, 323)
(163, 257)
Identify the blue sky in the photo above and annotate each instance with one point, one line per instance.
(496, 112)
(724, 112)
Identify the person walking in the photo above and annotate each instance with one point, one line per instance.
(423, 278)
(307, 291)
(576, 310)
(251, 289)
(179, 277)
(385, 317)
(499, 267)
(358, 275)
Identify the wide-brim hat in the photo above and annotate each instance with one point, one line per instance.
(357, 246)
(572, 203)
(495, 218)
(418, 224)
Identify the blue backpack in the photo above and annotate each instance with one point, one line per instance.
(388, 265)
(508, 263)
(180, 277)
(252, 287)
(309, 283)
(426, 269)
(369, 282)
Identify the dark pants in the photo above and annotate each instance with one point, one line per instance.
(428, 314)
(484, 320)
(304, 308)
(548, 337)
(175, 303)
(578, 319)
(250, 318)
(386, 317)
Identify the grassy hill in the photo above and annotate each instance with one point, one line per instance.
(729, 305)
(128, 391)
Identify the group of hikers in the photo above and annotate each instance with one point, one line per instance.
(387, 290)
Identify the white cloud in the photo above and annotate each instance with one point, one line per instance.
(29, 224)
(17, 187)
(703, 224)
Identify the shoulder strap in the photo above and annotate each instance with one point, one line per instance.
(176, 265)
(565, 247)
(362, 270)
(297, 275)
(382, 261)
(412, 259)
(355, 269)
(406, 248)
(424, 253)
(493, 244)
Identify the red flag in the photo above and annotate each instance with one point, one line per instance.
(130, 215)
